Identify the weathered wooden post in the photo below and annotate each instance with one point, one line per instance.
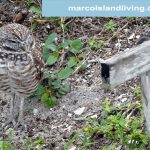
(127, 65)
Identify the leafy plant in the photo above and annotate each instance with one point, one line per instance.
(10, 142)
(64, 57)
(137, 91)
(36, 10)
(131, 18)
(118, 125)
(110, 26)
(37, 18)
(96, 44)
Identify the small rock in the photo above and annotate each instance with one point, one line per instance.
(35, 111)
(138, 36)
(69, 128)
(78, 80)
(69, 115)
(118, 45)
(72, 148)
(90, 75)
(79, 111)
(126, 30)
(84, 80)
(120, 97)
(131, 36)
(94, 116)
(124, 99)
(96, 99)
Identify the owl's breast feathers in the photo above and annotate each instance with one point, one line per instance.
(21, 60)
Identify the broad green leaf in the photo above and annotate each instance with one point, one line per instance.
(64, 89)
(45, 97)
(57, 84)
(51, 46)
(50, 39)
(52, 58)
(36, 10)
(65, 43)
(61, 92)
(58, 95)
(74, 51)
(5, 146)
(65, 73)
(39, 91)
(72, 62)
(76, 44)
(82, 65)
(46, 53)
(52, 101)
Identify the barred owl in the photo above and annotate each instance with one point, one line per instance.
(21, 65)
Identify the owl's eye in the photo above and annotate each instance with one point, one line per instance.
(11, 44)
(12, 41)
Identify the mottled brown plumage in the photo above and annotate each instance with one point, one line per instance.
(21, 64)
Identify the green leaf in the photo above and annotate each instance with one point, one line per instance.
(65, 73)
(50, 39)
(61, 92)
(82, 65)
(46, 53)
(52, 58)
(57, 84)
(36, 10)
(91, 43)
(39, 91)
(52, 101)
(51, 46)
(64, 89)
(58, 95)
(45, 97)
(65, 43)
(72, 62)
(74, 51)
(76, 44)
(4, 145)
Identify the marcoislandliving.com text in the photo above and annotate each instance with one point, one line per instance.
(120, 8)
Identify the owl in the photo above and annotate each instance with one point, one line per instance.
(21, 66)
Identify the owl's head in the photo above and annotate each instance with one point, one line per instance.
(17, 38)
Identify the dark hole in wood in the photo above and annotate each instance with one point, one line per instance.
(105, 72)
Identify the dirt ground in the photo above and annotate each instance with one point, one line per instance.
(57, 125)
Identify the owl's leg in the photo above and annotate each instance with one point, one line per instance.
(11, 116)
(20, 121)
